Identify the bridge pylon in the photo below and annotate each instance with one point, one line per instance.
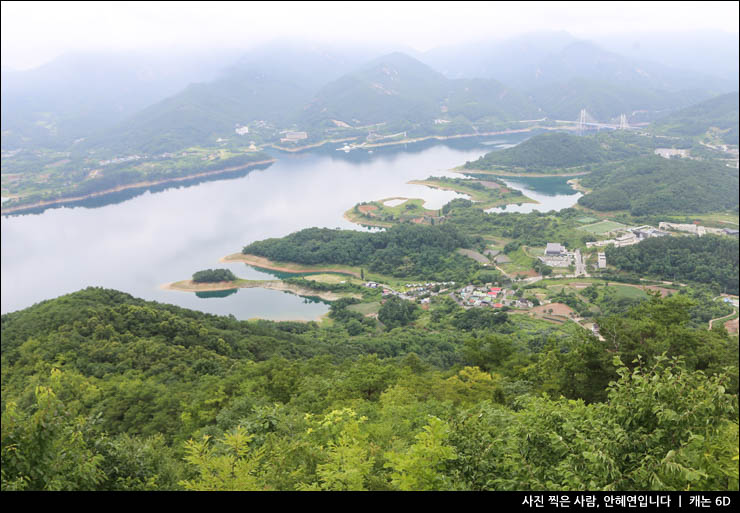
(582, 120)
(623, 125)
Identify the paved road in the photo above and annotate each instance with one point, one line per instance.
(580, 265)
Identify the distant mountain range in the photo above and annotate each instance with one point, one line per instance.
(78, 95)
(131, 104)
(398, 89)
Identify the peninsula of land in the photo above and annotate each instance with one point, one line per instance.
(191, 286)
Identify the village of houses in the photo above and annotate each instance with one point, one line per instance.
(554, 255)
(469, 296)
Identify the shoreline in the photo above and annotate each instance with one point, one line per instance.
(366, 145)
(257, 261)
(347, 216)
(485, 204)
(575, 183)
(136, 185)
(310, 146)
(461, 170)
(190, 286)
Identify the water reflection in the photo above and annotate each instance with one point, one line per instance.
(207, 294)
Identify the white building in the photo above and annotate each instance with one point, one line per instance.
(602, 260)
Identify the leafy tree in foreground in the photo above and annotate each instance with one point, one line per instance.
(46, 448)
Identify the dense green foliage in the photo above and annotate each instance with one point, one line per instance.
(397, 312)
(102, 391)
(404, 250)
(559, 150)
(213, 275)
(654, 185)
(710, 259)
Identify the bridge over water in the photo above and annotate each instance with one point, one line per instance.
(586, 120)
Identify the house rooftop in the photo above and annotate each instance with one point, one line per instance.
(554, 247)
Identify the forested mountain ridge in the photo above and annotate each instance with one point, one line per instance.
(204, 112)
(92, 92)
(270, 83)
(401, 91)
(135, 395)
(720, 112)
(287, 86)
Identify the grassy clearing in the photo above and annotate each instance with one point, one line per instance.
(520, 259)
(377, 213)
(520, 263)
(603, 227)
(366, 308)
(623, 291)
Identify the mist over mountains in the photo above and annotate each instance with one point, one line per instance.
(158, 102)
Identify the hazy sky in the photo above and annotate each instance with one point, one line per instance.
(36, 32)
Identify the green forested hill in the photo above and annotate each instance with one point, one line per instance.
(102, 391)
(544, 151)
(654, 185)
(390, 89)
(405, 250)
(559, 150)
(720, 112)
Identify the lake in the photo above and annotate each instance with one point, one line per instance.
(135, 244)
(552, 193)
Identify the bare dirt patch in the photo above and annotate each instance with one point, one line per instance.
(732, 326)
(529, 273)
(557, 309)
(489, 185)
(367, 208)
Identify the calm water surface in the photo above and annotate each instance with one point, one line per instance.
(552, 193)
(139, 243)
